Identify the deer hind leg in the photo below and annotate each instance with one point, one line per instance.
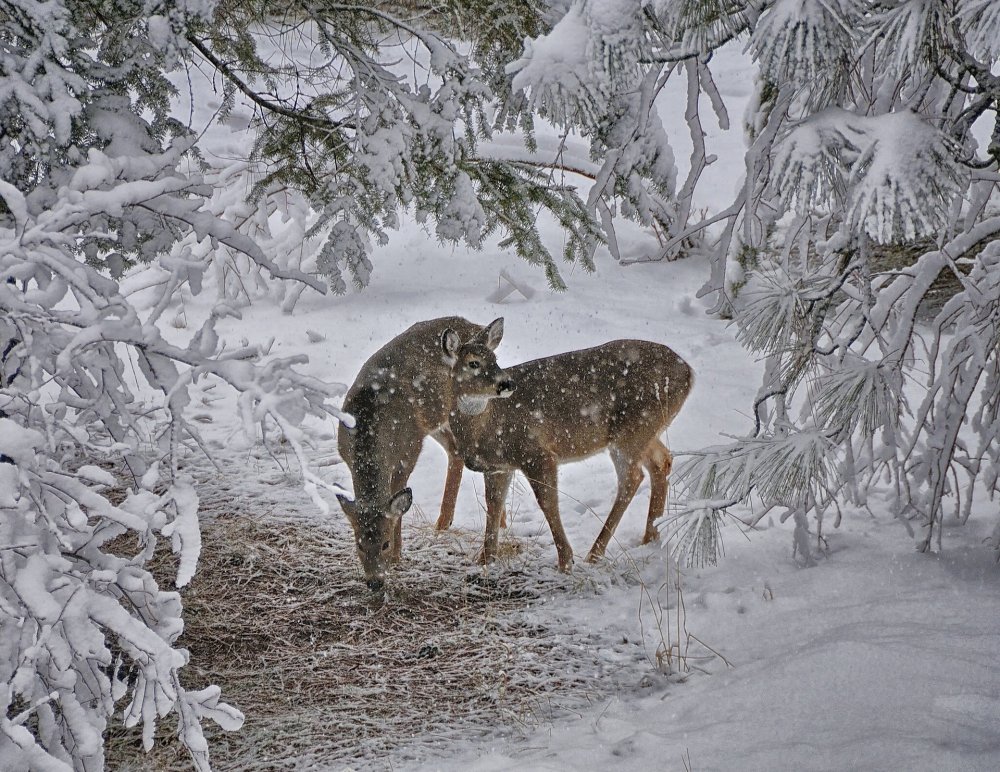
(629, 469)
(543, 477)
(658, 461)
(497, 484)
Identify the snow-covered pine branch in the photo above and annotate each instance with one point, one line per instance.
(592, 73)
(85, 624)
(980, 22)
(911, 38)
(957, 421)
(892, 176)
(385, 114)
(866, 179)
(808, 43)
(95, 184)
(694, 28)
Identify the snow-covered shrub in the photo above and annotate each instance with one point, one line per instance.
(93, 181)
(85, 629)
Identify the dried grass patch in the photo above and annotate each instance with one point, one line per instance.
(330, 676)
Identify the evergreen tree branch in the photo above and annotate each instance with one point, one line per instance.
(298, 115)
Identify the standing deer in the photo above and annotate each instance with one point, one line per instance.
(537, 415)
(401, 395)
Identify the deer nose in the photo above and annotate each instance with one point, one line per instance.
(505, 387)
(375, 585)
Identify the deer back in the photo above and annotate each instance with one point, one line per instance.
(570, 406)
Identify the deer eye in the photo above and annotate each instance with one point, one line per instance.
(385, 546)
(474, 365)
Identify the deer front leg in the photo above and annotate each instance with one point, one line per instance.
(496, 484)
(543, 477)
(408, 454)
(451, 484)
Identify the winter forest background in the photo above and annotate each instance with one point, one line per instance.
(855, 254)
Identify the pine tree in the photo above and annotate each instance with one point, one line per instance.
(864, 190)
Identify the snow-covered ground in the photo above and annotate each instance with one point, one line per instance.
(877, 658)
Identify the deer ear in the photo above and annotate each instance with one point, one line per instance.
(349, 507)
(450, 343)
(401, 502)
(493, 333)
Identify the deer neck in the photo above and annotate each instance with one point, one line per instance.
(372, 472)
(475, 435)
(377, 430)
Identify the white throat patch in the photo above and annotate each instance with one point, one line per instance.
(472, 405)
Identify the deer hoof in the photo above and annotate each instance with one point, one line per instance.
(596, 552)
(484, 558)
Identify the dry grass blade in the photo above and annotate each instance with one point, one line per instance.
(327, 674)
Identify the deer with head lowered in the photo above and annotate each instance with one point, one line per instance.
(531, 417)
(401, 395)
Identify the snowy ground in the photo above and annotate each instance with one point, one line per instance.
(877, 658)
